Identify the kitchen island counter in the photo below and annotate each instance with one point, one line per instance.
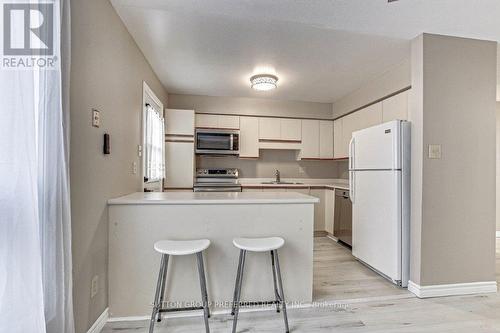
(211, 198)
(138, 220)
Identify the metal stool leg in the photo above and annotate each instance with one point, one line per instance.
(276, 294)
(282, 295)
(163, 283)
(238, 290)
(203, 286)
(236, 284)
(156, 305)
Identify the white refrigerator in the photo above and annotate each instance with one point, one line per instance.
(379, 180)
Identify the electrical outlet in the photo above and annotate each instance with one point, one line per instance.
(96, 118)
(134, 168)
(94, 288)
(139, 150)
(435, 151)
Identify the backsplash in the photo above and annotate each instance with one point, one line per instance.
(283, 160)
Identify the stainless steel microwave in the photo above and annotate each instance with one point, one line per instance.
(217, 141)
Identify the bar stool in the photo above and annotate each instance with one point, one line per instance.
(179, 248)
(271, 244)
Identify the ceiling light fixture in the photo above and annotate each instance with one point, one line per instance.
(264, 82)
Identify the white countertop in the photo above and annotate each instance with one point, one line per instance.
(342, 184)
(212, 198)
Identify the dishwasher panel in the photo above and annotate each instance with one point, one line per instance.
(343, 217)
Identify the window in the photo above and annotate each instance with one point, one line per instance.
(154, 143)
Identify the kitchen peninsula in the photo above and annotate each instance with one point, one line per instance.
(138, 220)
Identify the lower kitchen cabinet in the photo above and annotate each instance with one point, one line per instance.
(329, 210)
(282, 189)
(319, 209)
(251, 189)
(299, 190)
(323, 210)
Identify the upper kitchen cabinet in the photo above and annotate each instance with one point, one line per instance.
(368, 117)
(349, 125)
(179, 122)
(217, 121)
(249, 137)
(338, 145)
(280, 129)
(317, 139)
(269, 129)
(325, 140)
(310, 139)
(364, 118)
(395, 107)
(229, 122)
(179, 164)
(291, 129)
(179, 149)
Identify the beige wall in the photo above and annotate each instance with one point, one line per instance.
(250, 106)
(270, 160)
(498, 167)
(453, 207)
(394, 80)
(107, 73)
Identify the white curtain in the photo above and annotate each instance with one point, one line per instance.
(154, 145)
(35, 227)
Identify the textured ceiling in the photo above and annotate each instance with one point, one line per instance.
(321, 50)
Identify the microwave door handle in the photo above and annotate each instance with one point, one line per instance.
(231, 142)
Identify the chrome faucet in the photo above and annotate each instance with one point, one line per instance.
(278, 176)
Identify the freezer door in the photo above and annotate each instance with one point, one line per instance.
(376, 148)
(376, 221)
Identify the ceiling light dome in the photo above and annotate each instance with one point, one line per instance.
(264, 82)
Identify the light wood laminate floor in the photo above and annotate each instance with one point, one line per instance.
(461, 314)
(339, 276)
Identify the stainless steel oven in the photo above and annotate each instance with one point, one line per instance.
(217, 180)
(217, 141)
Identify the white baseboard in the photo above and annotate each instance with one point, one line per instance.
(100, 322)
(452, 289)
(498, 234)
(322, 304)
(333, 238)
(189, 314)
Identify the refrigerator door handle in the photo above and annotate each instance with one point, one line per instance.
(351, 170)
(352, 180)
(351, 154)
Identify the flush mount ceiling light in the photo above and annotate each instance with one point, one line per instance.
(264, 82)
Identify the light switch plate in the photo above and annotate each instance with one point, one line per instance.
(435, 151)
(96, 118)
(94, 287)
